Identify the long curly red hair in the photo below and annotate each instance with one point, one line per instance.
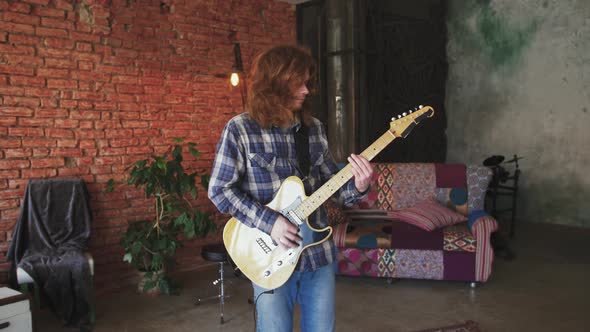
(274, 76)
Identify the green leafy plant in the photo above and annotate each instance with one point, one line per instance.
(150, 245)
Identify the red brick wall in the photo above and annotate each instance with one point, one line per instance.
(89, 86)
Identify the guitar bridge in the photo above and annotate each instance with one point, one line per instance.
(263, 245)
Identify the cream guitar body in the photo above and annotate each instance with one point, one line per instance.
(255, 253)
(269, 265)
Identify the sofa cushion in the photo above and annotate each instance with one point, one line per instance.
(368, 234)
(407, 236)
(428, 215)
(459, 238)
(450, 175)
(397, 186)
(478, 179)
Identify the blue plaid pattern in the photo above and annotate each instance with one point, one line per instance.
(251, 163)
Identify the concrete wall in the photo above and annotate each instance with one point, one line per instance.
(519, 82)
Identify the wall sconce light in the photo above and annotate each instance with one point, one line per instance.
(234, 79)
(237, 67)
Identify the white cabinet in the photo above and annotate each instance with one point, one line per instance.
(15, 311)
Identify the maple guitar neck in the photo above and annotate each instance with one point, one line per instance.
(309, 205)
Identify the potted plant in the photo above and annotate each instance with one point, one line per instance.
(150, 245)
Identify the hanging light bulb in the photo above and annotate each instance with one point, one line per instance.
(234, 79)
(237, 67)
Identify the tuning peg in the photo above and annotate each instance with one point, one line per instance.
(420, 106)
(399, 116)
(404, 114)
(410, 111)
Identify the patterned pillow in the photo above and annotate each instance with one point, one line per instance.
(428, 215)
(453, 198)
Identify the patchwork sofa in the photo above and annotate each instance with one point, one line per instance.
(419, 221)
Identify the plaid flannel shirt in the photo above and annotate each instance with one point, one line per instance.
(251, 163)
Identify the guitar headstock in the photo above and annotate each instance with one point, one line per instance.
(405, 122)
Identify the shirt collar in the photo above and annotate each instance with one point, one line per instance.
(294, 127)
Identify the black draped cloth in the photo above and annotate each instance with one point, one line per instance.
(48, 242)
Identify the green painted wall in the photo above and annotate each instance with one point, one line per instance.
(519, 83)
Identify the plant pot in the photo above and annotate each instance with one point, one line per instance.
(144, 279)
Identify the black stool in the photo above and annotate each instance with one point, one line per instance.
(215, 253)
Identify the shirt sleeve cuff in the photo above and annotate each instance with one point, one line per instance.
(358, 194)
(267, 220)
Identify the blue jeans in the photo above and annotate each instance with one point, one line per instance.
(313, 291)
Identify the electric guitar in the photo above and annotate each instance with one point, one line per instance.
(266, 263)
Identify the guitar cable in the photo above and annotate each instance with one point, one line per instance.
(255, 307)
(271, 291)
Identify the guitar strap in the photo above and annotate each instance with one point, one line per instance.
(302, 148)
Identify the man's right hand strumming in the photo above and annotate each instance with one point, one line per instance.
(285, 233)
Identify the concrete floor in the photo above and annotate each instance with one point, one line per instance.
(545, 288)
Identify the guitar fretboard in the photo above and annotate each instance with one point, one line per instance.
(314, 201)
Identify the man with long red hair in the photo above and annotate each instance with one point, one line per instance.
(256, 152)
